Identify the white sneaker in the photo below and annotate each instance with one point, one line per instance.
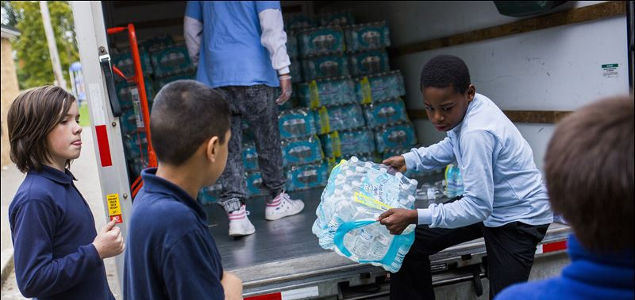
(282, 206)
(239, 224)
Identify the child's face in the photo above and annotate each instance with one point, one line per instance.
(446, 107)
(65, 140)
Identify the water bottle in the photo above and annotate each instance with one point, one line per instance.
(454, 181)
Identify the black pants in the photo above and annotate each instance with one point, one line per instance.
(510, 255)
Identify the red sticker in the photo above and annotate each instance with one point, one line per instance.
(104, 147)
(117, 219)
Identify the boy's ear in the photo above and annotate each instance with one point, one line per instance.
(471, 92)
(212, 149)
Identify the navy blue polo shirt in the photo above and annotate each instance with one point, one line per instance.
(170, 253)
(53, 230)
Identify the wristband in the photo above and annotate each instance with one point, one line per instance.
(284, 77)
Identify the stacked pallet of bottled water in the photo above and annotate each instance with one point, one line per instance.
(356, 194)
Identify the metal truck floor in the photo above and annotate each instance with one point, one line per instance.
(290, 237)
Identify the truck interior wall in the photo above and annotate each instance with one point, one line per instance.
(152, 19)
(558, 69)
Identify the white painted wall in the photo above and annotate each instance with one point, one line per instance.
(552, 69)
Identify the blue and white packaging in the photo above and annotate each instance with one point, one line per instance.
(385, 113)
(327, 92)
(380, 87)
(250, 157)
(209, 194)
(307, 176)
(356, 194)
(348, 143)
(296, 123)
(123, 61)
(321, 40)
(171, 61)
(338, 118)
(369, 62)
(301, 151)
(330, 65)
(395, 137)
(337, 19)
(294, 22)
(361, 37)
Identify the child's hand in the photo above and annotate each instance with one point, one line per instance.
(232, 285)
(397, 219)
(398, 162)
(109, 241)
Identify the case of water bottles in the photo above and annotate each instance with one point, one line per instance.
(254, 184)
(356, 194)
(330, 65)
(327, 92)
(298, 21)
(209, 194)
(347, 143)
(136, 144)
(360, 37)
(301, 151)
(124, 90)
(307, 176)
(395, 136)
(250, 157)
(171, 60)
(292, 46)
(336, 18)
(380, 87)
(321, 40)
(385, 113)
(295, 70)
(369, 62)
(128, 121)
(296, 123)
(123, 61)
(338, 118)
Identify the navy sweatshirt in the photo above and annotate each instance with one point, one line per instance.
(53, 230)
(170, 253)
(589, 276)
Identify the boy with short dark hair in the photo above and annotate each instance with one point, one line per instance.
(171, 254)
(589, 174)
(505, 201)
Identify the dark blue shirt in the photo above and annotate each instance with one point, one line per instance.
(53, 230)
(170, 253)
(589, 276)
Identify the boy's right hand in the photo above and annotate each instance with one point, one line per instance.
(233, 286)
(109, 241)
(398, 162)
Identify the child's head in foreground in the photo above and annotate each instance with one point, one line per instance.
(43, 126)
(589, 174)
(447, 91)
(190, 125)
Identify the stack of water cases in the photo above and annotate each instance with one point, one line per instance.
(348, 84)
(356, 194)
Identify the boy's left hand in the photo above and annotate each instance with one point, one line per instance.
(397, 219)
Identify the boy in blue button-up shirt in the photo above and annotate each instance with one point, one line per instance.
(505, 200)
(171, 254)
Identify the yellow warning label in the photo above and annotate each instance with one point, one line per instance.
(114, 208)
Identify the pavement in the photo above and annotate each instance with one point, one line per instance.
(85, 170)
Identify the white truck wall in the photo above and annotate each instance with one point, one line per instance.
(553, 69)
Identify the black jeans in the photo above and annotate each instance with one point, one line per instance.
(256, 104)
(510, 255)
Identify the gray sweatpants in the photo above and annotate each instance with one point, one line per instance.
(257, 105)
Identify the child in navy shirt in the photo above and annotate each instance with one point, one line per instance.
(171, 254)
(58, 253)
(589, 174)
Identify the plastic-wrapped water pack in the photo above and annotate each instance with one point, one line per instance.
(356, 194)
(327, 92)
(296, 123)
